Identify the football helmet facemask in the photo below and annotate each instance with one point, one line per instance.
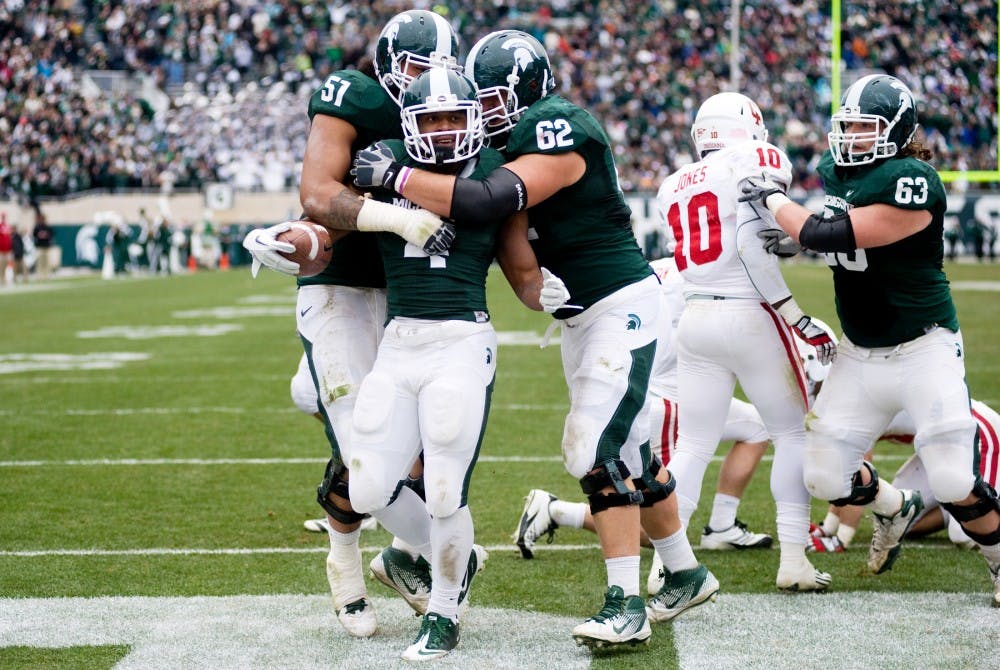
(512, 72)
(883, 102)
(724, 120)
(442, 93)
(410, 43)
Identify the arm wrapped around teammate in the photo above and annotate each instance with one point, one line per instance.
(495, 198)
(835, 233)
(376, 166)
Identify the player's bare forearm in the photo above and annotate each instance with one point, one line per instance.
(517, 260)
(791, 216)
(338, 211)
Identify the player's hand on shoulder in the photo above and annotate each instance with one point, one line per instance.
(264, 247)
(757, 189)
(376, 166)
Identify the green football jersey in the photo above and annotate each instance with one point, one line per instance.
(895, 293)
(582, 233)
(449, 286)
(362, 102)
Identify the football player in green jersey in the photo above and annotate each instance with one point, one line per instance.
(561, 169)
(432, 380)
(340, 313)
(882, 234)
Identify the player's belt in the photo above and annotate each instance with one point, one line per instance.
(705, 296)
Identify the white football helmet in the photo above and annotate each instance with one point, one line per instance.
(435, 93)
(724, 120)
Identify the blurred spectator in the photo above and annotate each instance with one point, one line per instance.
(17, 253)
(6, 247)
(42, 235)
(239, 74)
(952, 236)
(158, 247)
(117, 242)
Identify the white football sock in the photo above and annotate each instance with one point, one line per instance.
(624, 572)
(568, 514)
(724, 509)
(675, 552)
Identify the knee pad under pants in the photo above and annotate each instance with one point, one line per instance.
(947, 452)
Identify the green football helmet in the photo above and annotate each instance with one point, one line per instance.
(882, 101)
(440, 97)
(410, 43)
(512, 72)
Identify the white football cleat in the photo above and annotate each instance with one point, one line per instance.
(323, 525)
(803, 577)
(681, 591)
(889, 530)
(438, 636)
(317, 525)
(622, 621)
(735, 537)
(994, 567)
(350, 595)
(410, 578)
(535, 522)
(654, 582)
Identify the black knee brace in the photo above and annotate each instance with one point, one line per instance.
(334, 482)
(653, 490)
(861, 494)
(986, 503)
(609, 473)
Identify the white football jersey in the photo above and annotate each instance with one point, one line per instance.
(700, 206)
(663, 378)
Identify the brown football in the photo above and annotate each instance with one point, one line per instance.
(313, 247)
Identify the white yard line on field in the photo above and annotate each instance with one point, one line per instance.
(931, 631)
(90, 462)
(139, 411)
(246, 551)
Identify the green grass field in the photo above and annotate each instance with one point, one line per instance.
(154, 476)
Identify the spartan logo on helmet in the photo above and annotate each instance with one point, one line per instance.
(442, 118)
(410, 43)
(512, 72)
(876, 120)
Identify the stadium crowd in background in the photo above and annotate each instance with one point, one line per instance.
(641, 68)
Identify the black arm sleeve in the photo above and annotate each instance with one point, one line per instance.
(833, 234)
(495, 198)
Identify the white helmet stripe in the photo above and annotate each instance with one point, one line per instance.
(439, 85)
(443, 43)
(853, 97)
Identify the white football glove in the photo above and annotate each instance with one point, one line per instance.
(263, 245)
(554, 293)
